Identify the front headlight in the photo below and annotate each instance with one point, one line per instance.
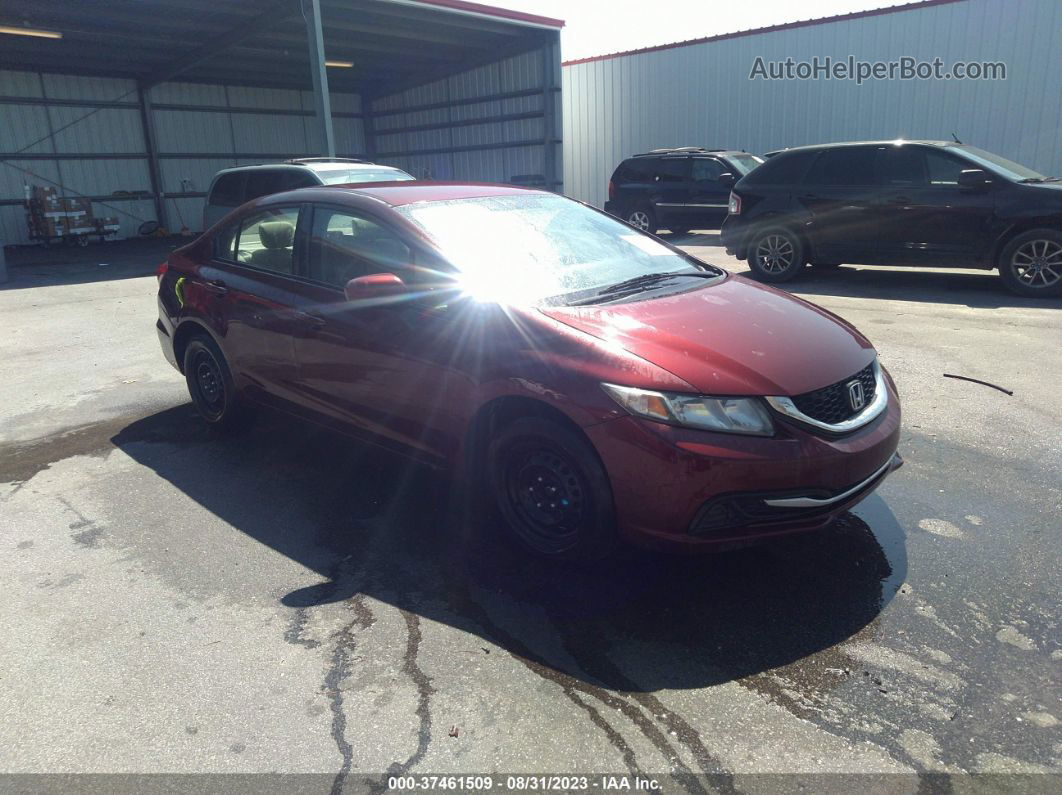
(725, 414)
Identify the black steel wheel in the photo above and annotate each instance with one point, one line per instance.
(776, 255)
(551, 490)
(1031, 263)
(210, 385)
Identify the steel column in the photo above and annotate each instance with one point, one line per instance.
(311, 11)
(147, 124)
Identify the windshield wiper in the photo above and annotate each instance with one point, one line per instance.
(636, 284)
(1039, 179)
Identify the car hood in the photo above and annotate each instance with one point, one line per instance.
(735, 337)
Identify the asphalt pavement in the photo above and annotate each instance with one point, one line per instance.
(290, 602)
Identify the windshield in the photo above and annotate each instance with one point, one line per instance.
(744, 163)
(343, 176)
(532, 247)
(1008, 168)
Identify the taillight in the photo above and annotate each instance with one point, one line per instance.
(161, 270)
(734, 208)
(611, 190)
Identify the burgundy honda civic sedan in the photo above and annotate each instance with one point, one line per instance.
(589, 382)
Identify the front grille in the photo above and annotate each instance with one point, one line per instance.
(831, 405)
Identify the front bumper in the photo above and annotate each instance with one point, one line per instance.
(685, 489)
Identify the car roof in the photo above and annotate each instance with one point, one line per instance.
(313, 165)
(403, 192)
(841, 144)
(689, 152)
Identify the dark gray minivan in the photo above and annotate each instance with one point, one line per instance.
(232, 187)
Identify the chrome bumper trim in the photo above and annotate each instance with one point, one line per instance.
(785, 406)
(811, 502)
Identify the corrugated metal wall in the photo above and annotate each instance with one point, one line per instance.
(701, 94)
(489, 124)
(93, 131)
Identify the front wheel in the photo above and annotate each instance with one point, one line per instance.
(211, 386)
(642, 217)
(776, 255)
(551, 490)
(1031, 263)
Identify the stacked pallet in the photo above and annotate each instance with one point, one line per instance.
(50, 216)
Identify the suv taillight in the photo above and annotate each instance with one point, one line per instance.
(734, 208)
(611, 190)
(161, 270)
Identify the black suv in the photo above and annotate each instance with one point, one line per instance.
(677, 189)
(924, 203)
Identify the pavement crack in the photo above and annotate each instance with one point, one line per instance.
(338, 670)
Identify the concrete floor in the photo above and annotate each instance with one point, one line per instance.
(291, 602)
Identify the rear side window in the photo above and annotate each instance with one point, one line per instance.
(265, 182)
(785, 168)
(228, 190)
(634, 171)
(267, 239)
(843, 167)
(677, 170)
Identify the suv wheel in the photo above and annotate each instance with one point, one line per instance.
(551, 490)
(642, 217)
(1031, 263)
(776, 255)
(211, 386)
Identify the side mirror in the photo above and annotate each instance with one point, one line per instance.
(375, 285)
(726, 179)
(974, 178)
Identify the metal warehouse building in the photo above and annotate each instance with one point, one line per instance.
(137, 103)
(700, 93)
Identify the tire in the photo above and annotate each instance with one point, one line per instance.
(211, 387)
(642, 217)
(776, 255)
(533, 459)
(1031, 263)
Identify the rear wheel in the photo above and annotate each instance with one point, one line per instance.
(550, 488)
(1031, 263)
(642, 217)
(211, 386)
(776, 255)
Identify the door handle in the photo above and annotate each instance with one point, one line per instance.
(217, 286)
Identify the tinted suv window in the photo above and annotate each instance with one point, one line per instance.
(943, 169)
(635, 171)
(786, 168)
(844, 166)
(676, 170)
(228, 190)
(267, 239)
(705, 170)
(901, 166)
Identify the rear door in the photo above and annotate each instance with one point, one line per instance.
(840, 196)
(925, 217)
(252, 293)
(671, 191)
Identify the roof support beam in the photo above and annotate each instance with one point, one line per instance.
(311, 10)
(274, 13)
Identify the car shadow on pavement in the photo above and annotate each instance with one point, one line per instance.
(374, 524)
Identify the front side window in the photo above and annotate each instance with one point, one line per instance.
(706, 170)
(267, 239)
(902, 166)
(345, 245)
(538, 248)
(944, 169)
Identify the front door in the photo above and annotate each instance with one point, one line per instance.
(709, 197)
(380, 366)
(926, 218)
